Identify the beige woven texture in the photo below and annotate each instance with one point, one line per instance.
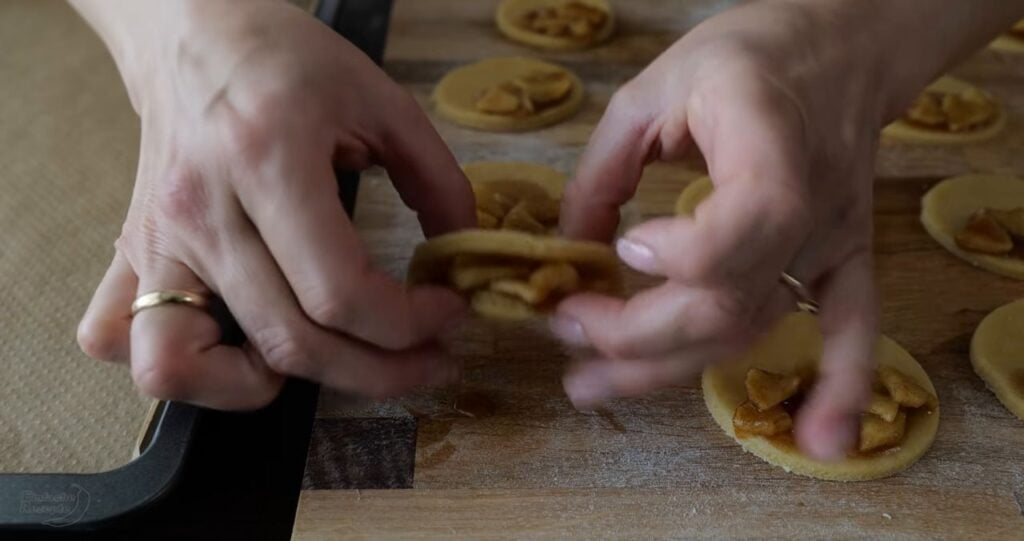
(68, 143)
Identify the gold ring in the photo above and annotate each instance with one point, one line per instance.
(160, 298)
(804, 300)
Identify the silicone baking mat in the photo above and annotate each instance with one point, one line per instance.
(68, 143)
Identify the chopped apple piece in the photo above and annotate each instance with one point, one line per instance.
(767, 389)
(883, 406)
(876, 433)
(771, 422)
(902, 389)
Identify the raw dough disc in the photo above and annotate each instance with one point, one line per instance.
(946, 207)
(1009, 43)
(511, 11)
(456, 95)
(550, 179)
(997, 353)
(794, 344)
(691, 196)
(903, 131)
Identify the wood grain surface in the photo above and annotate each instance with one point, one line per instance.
(505, 455)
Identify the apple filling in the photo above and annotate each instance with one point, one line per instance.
(773, 399)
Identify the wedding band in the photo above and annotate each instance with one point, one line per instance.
(804, 300)
(160, 298)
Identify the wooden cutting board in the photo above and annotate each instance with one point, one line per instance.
(505, 455)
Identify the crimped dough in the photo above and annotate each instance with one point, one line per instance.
(692, 195)
(511, 11)
(456, 95)
(550, 179)
(794, 344)
(946, 207)
(997, 353)
(903, 131)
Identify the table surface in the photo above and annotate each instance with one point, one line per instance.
(519, 461)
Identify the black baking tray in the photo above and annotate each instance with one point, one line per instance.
(48, 501)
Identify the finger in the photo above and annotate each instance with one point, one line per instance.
(292, 344)
(827, 426)
(299, 216)
(176, 354)
(105, 328)
(423, 169)
(659, 320)
(758, 215)
(610, 168)
(591, 383)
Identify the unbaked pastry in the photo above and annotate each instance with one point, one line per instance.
(557, 25)
(516, 195)
(692, 195)
(794, 346)
(1012, 41)
(949, 111)
(508, 94)
(950, 204)
(514, 275)
(997, 353)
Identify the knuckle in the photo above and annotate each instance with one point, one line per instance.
(284, 351)
(329, 307)
(620, 346)
(98, 339)
(183, 200)
(161, 377)
(729, 313)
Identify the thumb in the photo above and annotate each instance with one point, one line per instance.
(610, 169)
(423, 170)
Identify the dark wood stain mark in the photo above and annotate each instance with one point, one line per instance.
(612, 421)
(437, 457)
(475, 404)
(361, 454)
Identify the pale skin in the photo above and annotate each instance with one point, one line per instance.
(246, 105)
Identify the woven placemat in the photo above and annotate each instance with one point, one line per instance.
(68, 143)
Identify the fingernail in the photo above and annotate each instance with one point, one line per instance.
(586, 390)
(637, 255)
(569, 331)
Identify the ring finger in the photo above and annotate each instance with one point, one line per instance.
(177, 355)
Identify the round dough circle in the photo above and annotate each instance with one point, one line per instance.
(692, 195)
(550, 179)
(996, 353)
(903, 131)
(947, 206)
(431, 259)
(794, 344)
(511, 11)
(456, 95)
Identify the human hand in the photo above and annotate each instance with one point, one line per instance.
(246, 108)
(784, 104)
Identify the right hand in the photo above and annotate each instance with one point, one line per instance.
(246, 109)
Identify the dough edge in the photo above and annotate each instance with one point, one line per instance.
(920, 436)
(996, 379)
(548, 178)
(430, 260)
(693, 195)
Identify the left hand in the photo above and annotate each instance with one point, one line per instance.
(787, 116)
